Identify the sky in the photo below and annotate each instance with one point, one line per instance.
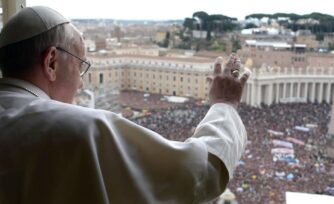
(179, 9)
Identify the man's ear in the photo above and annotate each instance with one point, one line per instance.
(49, 63)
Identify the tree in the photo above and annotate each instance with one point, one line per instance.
(236, 45)
(325, 22)
(166, 41)
(218, 45)
(201, 18)
(189, 23)
(319, 36)
(330, 46)
(208, 36)
(250, 25)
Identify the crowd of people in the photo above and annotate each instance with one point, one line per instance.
(260, 178)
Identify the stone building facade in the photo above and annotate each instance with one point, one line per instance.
(187, 77)
(167, 76)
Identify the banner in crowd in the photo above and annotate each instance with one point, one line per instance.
(275, 133)
(294, 140)
(283, 144)
(301, 128)
(282, 151)
(311, 126)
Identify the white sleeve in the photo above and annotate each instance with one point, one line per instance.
(224, 134)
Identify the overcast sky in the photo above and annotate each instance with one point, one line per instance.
(179, 9)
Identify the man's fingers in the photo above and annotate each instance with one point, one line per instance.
(236, 73)
(232, 65)
(245, 76)
(209, 79)
(217, 70)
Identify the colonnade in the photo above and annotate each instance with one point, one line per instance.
(270, 86)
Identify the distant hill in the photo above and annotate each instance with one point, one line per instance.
(294, 17)
(204, 21)
(324, 24)
(127, 22)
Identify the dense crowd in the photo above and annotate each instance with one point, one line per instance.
(175, 123)
(259, 178)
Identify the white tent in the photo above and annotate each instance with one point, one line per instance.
(176, 99)
(306, 198)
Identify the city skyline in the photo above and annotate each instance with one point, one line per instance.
(178, 10)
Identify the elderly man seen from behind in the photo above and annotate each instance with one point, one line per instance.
(54, 152)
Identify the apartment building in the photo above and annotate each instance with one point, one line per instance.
(290, 57)
(167, 76)
(270, 57)
(308, 40)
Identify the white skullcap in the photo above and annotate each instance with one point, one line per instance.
(29, 22)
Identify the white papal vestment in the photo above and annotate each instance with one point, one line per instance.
(52, 152)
